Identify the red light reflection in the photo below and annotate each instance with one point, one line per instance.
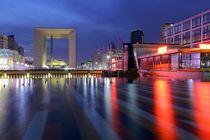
(165, 119)
(201, 99)
(116, 111)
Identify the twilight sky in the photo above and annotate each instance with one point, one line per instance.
(97, 22)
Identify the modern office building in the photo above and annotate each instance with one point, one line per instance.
(163, 28)
(11, 54)
(189, 33)
(137, 36)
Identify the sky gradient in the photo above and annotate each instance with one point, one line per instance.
(97, 22)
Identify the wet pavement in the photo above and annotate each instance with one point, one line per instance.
(94, 108)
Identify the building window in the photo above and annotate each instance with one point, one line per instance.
(205, 60)
(191, 61)
(196, 35)
(186, 38)
(177, 39)
(170, 31)
(157, 60)
(170, 40)
(186, 25)
(195, 60)
(206, 18)
(174, 61)
(196, 22)
(206, 32)
(185, 61)
(177, 29)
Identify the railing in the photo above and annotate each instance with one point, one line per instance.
(51, 74)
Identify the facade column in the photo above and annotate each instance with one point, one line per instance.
(72, 49)
(44, 59)
(39, 45)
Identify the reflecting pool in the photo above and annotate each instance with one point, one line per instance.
(95, 108)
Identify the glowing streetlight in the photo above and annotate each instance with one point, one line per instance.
(28, 75)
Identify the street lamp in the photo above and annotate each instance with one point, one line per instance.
(108, 58)
(109, 65)
(96, 65)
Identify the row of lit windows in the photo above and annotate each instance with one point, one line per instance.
(186, 61)
(196, 36)
(195, 22)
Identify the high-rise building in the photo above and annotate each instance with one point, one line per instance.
(190, 32)
(12, 44)
(137, 36)
(163, 28)
(3, 41)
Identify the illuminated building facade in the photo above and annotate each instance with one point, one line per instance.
(109, 59)
(143, 50)
(11, 54)
(11, 60)
(88, 65)
(117, 61)
(190, 32)
(174, 59)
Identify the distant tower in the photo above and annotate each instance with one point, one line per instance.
(163, 27)
(137, 36)
(111, 46)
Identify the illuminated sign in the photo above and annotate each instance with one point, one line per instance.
(204, 46)
(162, 50)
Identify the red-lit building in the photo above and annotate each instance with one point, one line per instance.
(117, 63)
(173, 61)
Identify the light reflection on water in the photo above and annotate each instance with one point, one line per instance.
(123, 104)
(201, 101)
(164, 112)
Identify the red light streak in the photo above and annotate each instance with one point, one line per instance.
(201, 101)
(165, 120)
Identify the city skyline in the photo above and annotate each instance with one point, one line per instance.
(97, 23)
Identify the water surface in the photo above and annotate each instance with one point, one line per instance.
(94, 108)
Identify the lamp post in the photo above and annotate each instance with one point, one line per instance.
(96, 65)
(109, 69)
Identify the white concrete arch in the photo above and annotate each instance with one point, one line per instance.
(40, 44)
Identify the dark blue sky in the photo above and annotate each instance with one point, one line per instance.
(97, 22)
